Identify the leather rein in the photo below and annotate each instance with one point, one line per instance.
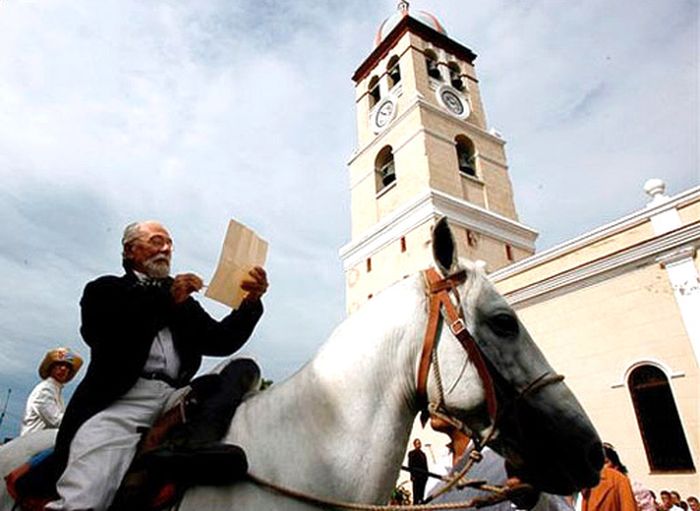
(441, 308)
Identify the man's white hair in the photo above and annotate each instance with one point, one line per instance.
(131, 232)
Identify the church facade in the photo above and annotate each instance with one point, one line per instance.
(616, 310)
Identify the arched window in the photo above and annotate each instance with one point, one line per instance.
(384, 168)
(394, 71)
(466, 156)
(432, 65)
(455, 76)
(374, 93)
(659, 423)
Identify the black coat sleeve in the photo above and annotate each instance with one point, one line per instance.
(207, 336)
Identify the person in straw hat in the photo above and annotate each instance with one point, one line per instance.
(45, 406)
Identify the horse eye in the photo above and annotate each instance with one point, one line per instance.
(504, 325)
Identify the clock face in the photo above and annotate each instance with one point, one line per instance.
(453, 101)
(384, 114)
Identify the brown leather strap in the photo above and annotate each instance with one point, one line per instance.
(438, 298)
(428, 343)
(436, 284)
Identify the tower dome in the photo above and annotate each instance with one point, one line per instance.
(424, 17)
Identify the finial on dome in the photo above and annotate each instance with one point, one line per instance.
(403, 7)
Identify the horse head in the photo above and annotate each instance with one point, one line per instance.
(534, 421)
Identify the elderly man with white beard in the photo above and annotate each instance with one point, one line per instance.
(147, 336)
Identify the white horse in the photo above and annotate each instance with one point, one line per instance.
(338, 428)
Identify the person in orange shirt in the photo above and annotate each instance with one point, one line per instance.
(614, 492)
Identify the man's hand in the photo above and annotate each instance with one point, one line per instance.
(257, 286)
(184, 285)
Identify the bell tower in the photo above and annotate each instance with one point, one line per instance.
(424, 151)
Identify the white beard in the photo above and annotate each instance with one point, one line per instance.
(157, 267)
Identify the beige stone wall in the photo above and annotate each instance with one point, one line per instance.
(690, 213)
(410, 160)
(492, 171)
(426, 85)
(575, 258)
(594, 335)
(473, 190)
(408, 82)
(389, 265)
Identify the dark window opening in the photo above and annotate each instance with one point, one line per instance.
(659, 423)
(455, 76)
(388, 173)
(509, 252)
(384, 168)
(369, 296)
(394, 72)
(466, 156)
(432, 65)
(403, 243)
(374, 93)
(369, 264)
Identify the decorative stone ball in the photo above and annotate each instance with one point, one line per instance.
(654, 187)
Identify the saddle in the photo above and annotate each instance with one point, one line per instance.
(180, 450)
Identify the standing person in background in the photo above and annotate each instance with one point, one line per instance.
(646, 500)
(614, 492)
(419, 478)
(45, 406)
(667, 503)
(693, 504)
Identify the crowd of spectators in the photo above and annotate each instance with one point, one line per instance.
(616, 492)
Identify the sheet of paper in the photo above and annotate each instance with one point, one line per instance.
(242, 250)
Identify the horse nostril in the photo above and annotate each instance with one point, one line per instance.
(596, 456)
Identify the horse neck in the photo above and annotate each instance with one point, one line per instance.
(349, 410)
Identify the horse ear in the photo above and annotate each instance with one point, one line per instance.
(444, 253)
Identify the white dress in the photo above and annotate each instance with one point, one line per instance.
(44, 408)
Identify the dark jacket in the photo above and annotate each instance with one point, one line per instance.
(417, 459)
(120, 318)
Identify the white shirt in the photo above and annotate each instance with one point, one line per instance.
(162, 358)
(44, 408)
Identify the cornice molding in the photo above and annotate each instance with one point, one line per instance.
(607, 230)
(642, 254)
(485, 221)
(409, 24)
(430, 205)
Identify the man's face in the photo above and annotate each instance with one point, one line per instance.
(151, 252)
(417, 444)
(666, 502)
(60, 371)
(693, 504)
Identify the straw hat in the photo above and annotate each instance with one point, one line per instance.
(60, 355)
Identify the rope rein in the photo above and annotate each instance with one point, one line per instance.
(499, 494)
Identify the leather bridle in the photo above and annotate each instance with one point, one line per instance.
(442, 308)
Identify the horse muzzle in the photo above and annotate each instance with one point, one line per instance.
(557, 451)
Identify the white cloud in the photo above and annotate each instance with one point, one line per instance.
(194, 113)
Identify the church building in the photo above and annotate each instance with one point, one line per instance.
(616, 310)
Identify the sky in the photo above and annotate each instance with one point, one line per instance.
(196, 112)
